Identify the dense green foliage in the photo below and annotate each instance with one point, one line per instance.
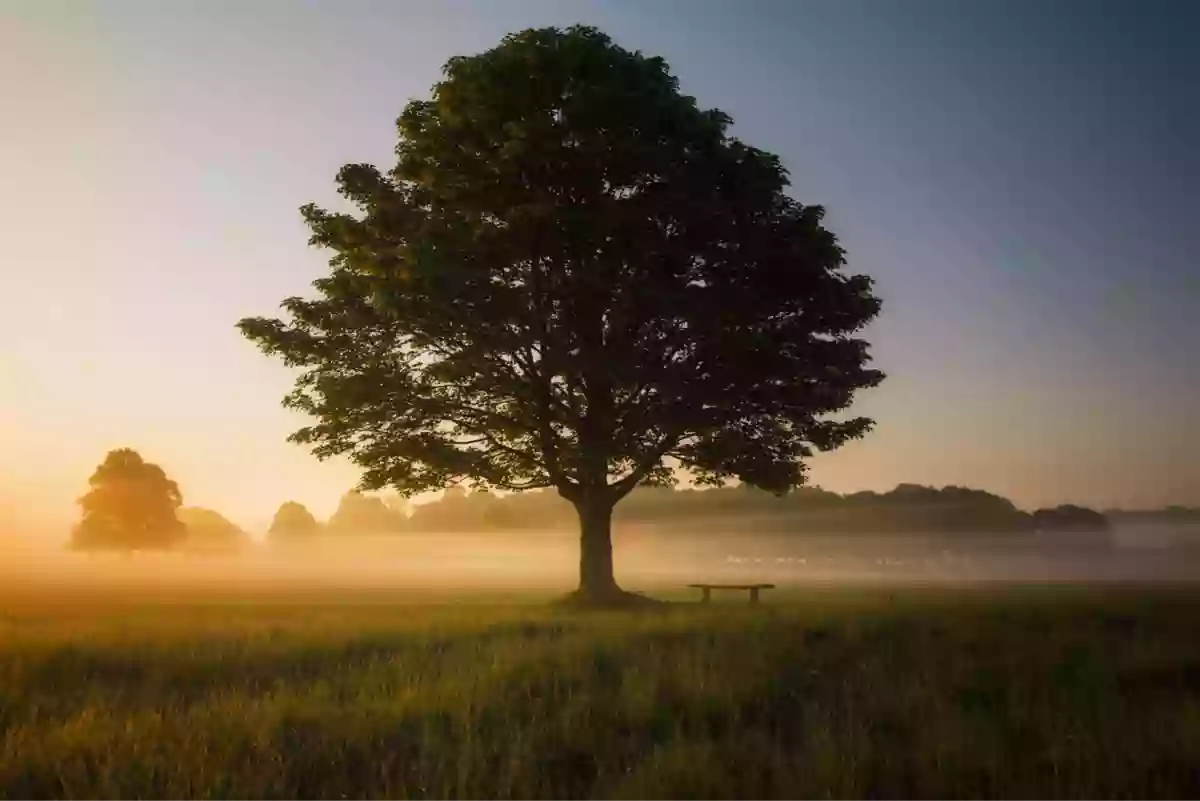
(573, 278)
(936, 694)
(131, 505)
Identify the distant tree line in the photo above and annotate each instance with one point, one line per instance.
(1176, 515)
(132, 504)
(909, 508)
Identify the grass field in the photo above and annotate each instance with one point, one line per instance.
(1017, 692)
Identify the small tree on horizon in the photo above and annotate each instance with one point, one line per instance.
(573, 278)
(208, 530)
(131, 505)
(293, 521)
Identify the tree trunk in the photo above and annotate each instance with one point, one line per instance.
(596, 582)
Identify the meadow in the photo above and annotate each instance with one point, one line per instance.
(820, 692)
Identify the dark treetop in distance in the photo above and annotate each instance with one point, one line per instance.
(293, 520)
(131, 505)
(573, 278)
(209, 530)
(357, 512)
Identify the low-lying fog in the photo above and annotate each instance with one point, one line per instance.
(549, 560)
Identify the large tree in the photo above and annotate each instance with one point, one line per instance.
(131, 505)
(575, 278)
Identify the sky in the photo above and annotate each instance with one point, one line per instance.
(1019, 177)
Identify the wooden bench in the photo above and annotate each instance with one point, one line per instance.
(753, 588)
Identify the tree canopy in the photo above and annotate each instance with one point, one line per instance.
(906, 509)
(207, 530)
(293, 521)
(365, 514)
(1069, 517)
(574, 278)
(131, 505)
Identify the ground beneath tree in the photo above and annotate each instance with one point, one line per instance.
(614, 600)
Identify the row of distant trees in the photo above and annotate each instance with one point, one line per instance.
(133, 504)
(907, 508)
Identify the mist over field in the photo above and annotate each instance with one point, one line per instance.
(647, 558)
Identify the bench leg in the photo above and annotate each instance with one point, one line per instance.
(707, 595)
(754, 595)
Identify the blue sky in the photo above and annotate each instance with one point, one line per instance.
(1019, 177)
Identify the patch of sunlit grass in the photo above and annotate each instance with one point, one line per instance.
(825, 693)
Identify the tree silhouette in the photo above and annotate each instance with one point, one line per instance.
(908, 508)
(1069, 517)
(131, 506)
(207, 530)
(293, 521)
(365, 514)
(573, 278)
